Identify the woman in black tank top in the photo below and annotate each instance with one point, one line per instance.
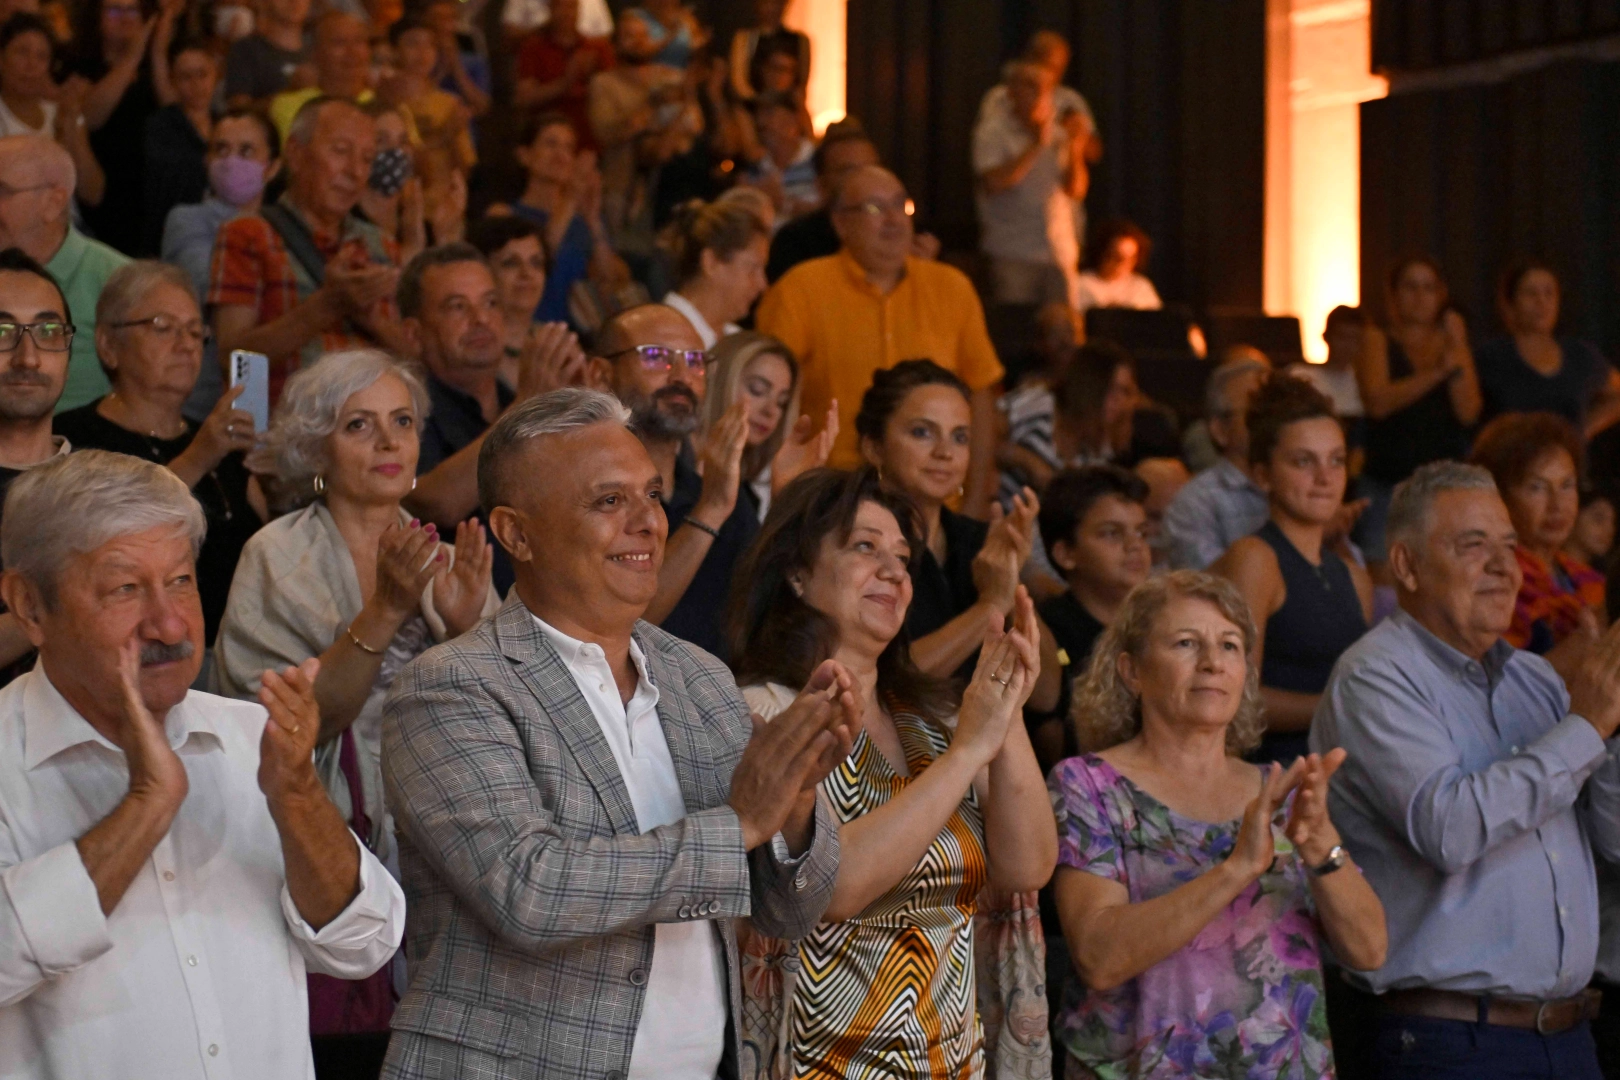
(1419, 387)
(1310, 602)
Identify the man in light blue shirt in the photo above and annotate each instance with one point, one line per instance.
(1474, 791)
(1222, 504)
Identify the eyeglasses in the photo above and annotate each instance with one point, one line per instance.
(876, 208)
(656, 358)
(48, 334)
(196, 330)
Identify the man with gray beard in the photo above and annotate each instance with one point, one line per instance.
(651, 359)
(36, 334)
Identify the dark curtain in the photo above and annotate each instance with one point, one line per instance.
(1417, 35)
(1178, 88)
(1479, 175)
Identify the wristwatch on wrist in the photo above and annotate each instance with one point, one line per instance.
(1334, 861)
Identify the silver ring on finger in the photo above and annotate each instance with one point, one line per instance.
(998, 679)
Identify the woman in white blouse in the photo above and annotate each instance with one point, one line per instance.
(1112, 273)
(720, 249)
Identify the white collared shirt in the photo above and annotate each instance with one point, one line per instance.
(199, 970)
(682, 1031)
(699, 323)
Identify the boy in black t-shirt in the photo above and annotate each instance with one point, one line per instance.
(1094, 526)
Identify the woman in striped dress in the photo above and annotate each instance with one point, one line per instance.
(940, 796)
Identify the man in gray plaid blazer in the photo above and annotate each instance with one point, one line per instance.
(582, 801)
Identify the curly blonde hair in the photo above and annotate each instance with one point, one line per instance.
(1106, 713)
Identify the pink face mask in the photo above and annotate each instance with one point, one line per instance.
(237, 180)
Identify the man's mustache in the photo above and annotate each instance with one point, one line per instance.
(157, 652)
(24, 377)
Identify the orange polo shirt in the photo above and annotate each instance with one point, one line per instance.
(842, 330)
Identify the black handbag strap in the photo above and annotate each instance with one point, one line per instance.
(299, 241)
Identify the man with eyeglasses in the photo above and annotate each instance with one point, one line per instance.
(875, 304)
(453, 324)
(36, 329)
(651, 359)
(36, 200)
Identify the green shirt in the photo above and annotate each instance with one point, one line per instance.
(81, 266)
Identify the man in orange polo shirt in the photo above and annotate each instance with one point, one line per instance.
(873, 305)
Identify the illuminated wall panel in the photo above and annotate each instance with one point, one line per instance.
(824, 22)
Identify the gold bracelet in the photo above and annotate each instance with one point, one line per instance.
(362, 646)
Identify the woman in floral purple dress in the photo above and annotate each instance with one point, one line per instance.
(1194, 889)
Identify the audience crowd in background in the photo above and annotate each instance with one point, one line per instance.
(662, 622)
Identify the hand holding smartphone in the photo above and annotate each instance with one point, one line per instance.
(251, 371)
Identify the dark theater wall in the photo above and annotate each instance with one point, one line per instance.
(1178, 87)
(1478, 175)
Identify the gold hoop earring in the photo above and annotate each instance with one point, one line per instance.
(319, 483)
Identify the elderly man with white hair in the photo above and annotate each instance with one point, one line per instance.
(583, 804)
(1475, 790)
(37, 178)
(170, 865)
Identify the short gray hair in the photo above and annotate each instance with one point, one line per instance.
(295, 447)
(302, 128)
(76, 503)
(1215, 403)
(560, 411)
(1411, 506)
(127, 286)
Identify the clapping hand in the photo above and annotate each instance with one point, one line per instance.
(1256, 846)
(804, 448)
(788, 757)
(461, 588)
(155, 770)
(287, 747)
(1003, 679)
(721, 465)
(1309, 828)
(551, 358)
(997, 566)
(408, 557)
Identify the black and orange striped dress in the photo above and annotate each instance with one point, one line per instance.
(890, 993)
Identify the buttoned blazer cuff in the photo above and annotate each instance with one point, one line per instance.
(790, 895)
(57, 913)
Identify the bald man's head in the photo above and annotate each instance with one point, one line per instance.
(37, 178)
(34, 159)
(663, 389)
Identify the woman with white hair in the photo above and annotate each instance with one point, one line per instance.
(1194, 888)
(151, 341)
(351, 577)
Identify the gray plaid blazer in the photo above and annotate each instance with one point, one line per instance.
(532, 894)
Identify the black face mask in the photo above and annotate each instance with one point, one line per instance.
(389, 171)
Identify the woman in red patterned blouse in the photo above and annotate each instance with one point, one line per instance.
(1536, 459)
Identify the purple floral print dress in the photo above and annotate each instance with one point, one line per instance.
(1243, 1000)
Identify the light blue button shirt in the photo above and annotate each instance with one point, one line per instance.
(1462, 801)
(1216, 509)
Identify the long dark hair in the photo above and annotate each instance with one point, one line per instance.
(776, 636)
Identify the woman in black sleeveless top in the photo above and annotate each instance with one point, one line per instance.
(1310, 602)
(1420, 389)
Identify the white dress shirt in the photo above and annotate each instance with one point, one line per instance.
(199, 970)
(682, 1032)
(699, 323)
